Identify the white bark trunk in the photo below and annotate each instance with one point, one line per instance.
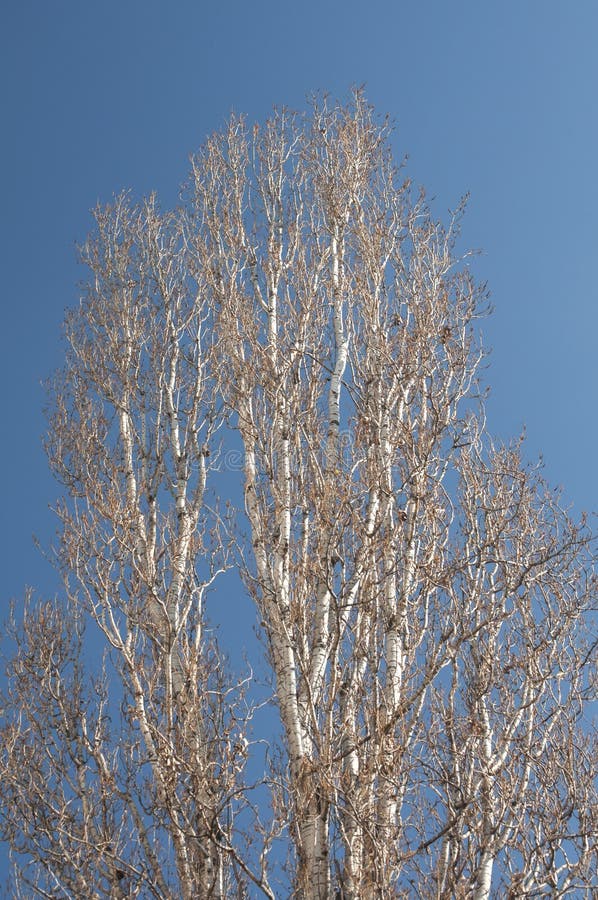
(314, 841)
(321, 644)
(484, 877)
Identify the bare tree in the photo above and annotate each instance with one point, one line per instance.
(414, 584)
(129, 786)
(423, 594)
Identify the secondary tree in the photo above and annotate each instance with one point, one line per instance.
(422, 594)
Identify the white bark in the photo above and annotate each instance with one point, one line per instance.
(420, 591)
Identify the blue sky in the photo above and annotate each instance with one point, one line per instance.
(495, 99)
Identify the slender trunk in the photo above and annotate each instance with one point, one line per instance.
(484, 876)
(314, 880)
(484, 873)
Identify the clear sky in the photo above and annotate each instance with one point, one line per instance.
(493, 98)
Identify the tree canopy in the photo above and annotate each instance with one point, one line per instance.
(423, 595)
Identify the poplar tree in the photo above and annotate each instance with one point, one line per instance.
(423, 595)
